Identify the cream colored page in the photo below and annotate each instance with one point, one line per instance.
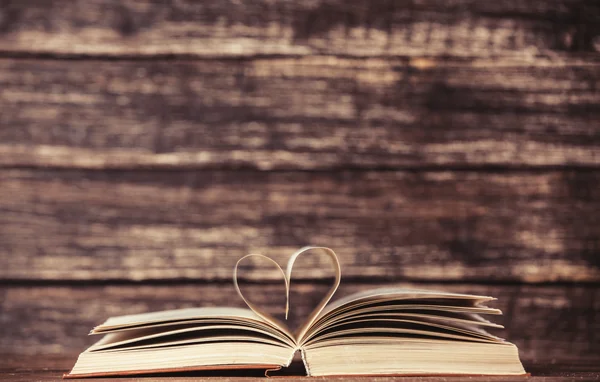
(420, 357)
(319, 309)
(190, 341)
(179, 315)
(383, 294)
(167, 325)
(470, 316)
(404, 294)
(124, 338)
(400, 331)
(287, 280)
(257, 310)
(157, 322)
(386, 339)
(380, 322)
(439, 312)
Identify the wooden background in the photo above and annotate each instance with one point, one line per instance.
(145, 146)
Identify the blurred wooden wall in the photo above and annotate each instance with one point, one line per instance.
(146, 145)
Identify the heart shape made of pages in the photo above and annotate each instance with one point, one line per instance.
(287, 276)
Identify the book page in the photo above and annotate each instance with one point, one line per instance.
(319, 309)
(287, 280)
(393, 313)
(191, 316)
(161, 335)
(405, 294)
(176, 315)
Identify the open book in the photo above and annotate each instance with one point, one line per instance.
(385, 331)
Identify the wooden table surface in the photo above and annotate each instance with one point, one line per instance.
(51, 368)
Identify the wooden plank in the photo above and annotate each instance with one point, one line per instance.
(548, 323)
(306, 113)
(165, 225)
(553, 375)
(42, 376)
(463, 28)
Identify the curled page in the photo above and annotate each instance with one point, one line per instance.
(338, 275)
(255, 308)
(287, 280)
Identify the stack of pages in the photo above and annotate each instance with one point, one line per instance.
(389, 331)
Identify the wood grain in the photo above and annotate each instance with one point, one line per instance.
(547, 323)
(461, 28)
(51, 367)
(313, 113)
(164, 225)
(444, 141)
(42, 376)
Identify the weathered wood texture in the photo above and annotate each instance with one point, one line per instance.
(299, 113)
(547, 323)
(463, 28)
(51, 367)
(449, 225)
(553, 374)
(438, 140)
